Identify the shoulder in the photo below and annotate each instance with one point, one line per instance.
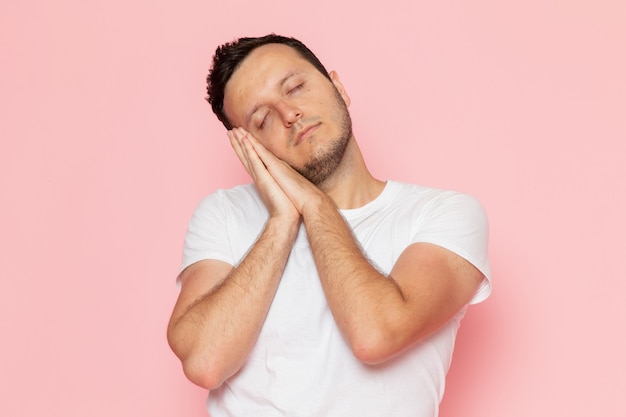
(239, 197)
(435, 200)
(453, 220)
(240, 204)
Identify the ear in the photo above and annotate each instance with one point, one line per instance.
(337, 83)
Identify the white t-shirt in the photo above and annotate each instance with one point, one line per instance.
(301, 365)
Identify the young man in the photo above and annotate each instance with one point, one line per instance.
(318, 290)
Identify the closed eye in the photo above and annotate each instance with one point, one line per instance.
(260, 125)
(296, 88)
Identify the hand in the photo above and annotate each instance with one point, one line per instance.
(277, 202)
(298, 189)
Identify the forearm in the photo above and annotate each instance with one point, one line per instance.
(364, 302)
(215, 334)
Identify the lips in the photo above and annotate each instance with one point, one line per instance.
(305, 133)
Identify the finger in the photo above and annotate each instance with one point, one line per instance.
(261, 151)
(293, 184)
(260, 158)
(254, 161)
(235, 142)
(274, 165)
(247, 154)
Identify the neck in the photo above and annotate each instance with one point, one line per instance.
(352, 185)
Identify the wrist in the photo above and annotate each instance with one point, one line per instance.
(317, 204)
(285, 226)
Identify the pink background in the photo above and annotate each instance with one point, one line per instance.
(107, 146)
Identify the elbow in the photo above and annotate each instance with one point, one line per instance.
(202, 374)
(370, 355)
(376, 346)
(373, 348)
(197, 364)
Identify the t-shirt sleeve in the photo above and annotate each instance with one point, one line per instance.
(458, 222)
(207, 234)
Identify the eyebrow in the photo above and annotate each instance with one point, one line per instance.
(258, 106)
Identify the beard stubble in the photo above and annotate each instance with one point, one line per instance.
(326, 161)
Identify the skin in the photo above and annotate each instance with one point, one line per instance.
(273, 97)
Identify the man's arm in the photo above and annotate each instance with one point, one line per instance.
(379, 316)
(221, 309)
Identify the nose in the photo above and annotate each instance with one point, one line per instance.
(289, 113)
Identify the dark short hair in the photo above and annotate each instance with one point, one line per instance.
(230, 55)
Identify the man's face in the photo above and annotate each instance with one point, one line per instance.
(295, 111)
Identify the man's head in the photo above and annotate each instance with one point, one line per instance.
(275, 88)
(228, 58)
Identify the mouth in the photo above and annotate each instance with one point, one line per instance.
(305, 134)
